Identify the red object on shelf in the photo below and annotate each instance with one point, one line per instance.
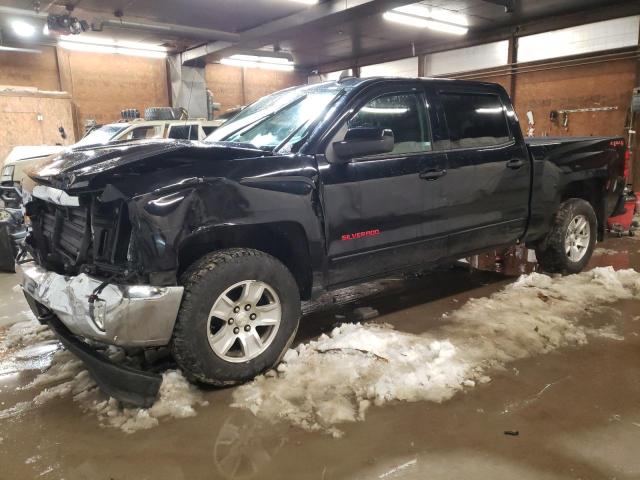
(627, 163)
(622, 222)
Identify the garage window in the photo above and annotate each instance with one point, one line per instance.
(404, 114)
(475, 120)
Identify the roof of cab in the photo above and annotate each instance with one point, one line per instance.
(354, 82)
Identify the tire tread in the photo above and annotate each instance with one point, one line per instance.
(180, 346)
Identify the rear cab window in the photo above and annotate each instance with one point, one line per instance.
(184, 132)
(475, 120)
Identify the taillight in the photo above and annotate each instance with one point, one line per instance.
(627, 163)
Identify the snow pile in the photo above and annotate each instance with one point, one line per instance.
(337, 377)
(176, 399)
(24, 334)
(66, 376)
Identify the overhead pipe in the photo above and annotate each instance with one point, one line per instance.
(168, 29)
(155, 27)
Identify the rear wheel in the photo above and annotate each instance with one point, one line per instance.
(239, 314)
(570, 242)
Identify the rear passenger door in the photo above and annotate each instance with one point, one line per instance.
(489, 170)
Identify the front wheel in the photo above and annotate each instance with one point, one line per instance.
(239, 314)
(569, 244)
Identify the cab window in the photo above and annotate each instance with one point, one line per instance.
(404, 114)
(139, 133)
(475, 120)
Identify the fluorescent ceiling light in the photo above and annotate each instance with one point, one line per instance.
(258, 58)
(112, 49)
(405, 19)
(114, 43)
(421, 16)
(23, 29)
(258, 61)
(306, 2)
(439, 14)
(447, 28)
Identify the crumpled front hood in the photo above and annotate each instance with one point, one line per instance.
(76, 167)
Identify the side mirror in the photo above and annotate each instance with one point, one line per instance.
(359, 142)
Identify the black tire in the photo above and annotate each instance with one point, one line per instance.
(551, 253)
(7, 250)
(204, 282)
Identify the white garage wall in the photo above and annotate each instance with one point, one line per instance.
(466, 59)
(592, 37)
(407, 67)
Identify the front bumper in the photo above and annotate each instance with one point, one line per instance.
(119, 381)
(123, 315)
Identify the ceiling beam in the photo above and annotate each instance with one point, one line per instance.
(322, 14)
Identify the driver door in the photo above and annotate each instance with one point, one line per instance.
(375, 204)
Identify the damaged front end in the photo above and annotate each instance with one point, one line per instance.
(84, 284)
(86, 281)
(108, 226)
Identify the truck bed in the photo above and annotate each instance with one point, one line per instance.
(555, 140)
(608, 149)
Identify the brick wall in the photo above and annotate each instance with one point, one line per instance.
(102, 85)
(30, 69)
(233, 86)
(606, 84)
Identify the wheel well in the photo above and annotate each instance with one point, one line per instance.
(591, 191)
(285, 241)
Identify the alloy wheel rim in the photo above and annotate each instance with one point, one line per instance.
(244, 320)
(576, 242)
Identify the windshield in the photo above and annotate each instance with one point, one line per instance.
(101, 135)
(283, 117)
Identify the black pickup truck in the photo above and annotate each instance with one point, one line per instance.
(209, 247)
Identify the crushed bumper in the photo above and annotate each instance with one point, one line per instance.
(123, 315)
(121, 382)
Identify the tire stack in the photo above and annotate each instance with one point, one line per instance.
(165, 113)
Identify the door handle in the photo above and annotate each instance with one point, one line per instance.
(515, 163)
(431, 175)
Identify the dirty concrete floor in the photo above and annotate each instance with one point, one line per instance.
(576, 410)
